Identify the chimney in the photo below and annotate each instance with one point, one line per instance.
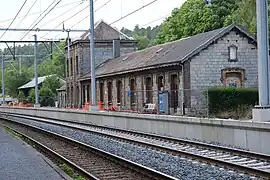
(116, 48)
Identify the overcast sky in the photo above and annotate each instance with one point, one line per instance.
(112, 11)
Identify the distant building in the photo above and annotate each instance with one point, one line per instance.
(109, 43)
(61, 96)
(31, 84)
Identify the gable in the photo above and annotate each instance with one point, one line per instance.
(103, 31)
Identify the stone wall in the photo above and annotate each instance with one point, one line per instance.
(103, 52)
(140, 88)
(206, 68)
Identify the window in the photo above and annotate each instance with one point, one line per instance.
(101, 91)
(119, 91)
(232, 53)
(71, 66)
(234, 77)
(77, 65)
(160, 83)
(148, 85)
(109, 92)
(67, 69)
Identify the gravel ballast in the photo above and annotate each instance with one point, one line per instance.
(172, 165)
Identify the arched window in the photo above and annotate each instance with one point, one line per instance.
(119, 91)
(149, 85)
(232, 53)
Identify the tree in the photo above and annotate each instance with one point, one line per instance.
(52, 83)
(144, 36)
(195, 17)
(31, 96)
(46, 96)
(246, 14)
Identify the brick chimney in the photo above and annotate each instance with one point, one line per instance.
(116, 48)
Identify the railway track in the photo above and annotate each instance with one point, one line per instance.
(90, 162)
(252, 163)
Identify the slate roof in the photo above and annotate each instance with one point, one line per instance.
(168, 54)
(104, 31)
(31, 83)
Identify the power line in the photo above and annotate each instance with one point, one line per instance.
(44, 16)
(41, 11)
(62, 13)
(39, 17)
(144, 6)
(27, 13)
(77, 14)
(155, 20)
(14, 19)
(68, 19)
(89, 14)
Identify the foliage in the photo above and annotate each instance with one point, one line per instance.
(246, 14)
(195, 17)
(13, 80)
(144, 36)
(31, 96)
(229, 98)
(48, 91)
(46, 96)
(52, 83)
(21, 96)
(56, 65)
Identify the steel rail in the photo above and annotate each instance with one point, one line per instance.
(151, 173)
(242, 168)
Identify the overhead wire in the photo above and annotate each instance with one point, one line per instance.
(27, 12)
(146, 24)
(14, 18)
(42, 17)
(89, 14)
(73, 15)
(62, 13)
(34, 13)
(127, 15)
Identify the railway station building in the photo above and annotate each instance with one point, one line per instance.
(185, 68)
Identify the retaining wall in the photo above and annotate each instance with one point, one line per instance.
(246, 134)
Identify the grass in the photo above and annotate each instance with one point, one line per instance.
(70, 172)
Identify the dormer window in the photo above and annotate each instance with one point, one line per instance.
(232, 53)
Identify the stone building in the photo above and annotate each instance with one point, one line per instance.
(186, 68)
(106, 38)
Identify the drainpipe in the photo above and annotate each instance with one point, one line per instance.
(183, 88)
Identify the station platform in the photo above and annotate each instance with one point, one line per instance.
(20, 161)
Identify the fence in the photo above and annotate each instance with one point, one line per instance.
(177, 102)
(189, 102)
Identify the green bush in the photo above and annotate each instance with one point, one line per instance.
(226, 99)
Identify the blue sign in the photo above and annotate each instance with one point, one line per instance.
(129, 93)
(161, 102)
(233, 84)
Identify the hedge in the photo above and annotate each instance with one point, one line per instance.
(230, 98)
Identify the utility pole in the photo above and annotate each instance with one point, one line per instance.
(263, 52)
(68, 60)
(92, 57)
(262, 111)
(36, 72)
(20, 65)
(3, 80)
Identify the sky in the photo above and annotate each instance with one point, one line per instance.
(108, 10)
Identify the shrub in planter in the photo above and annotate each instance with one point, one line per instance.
(230, 98)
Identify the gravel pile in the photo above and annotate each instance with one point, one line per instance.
(172, 165)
